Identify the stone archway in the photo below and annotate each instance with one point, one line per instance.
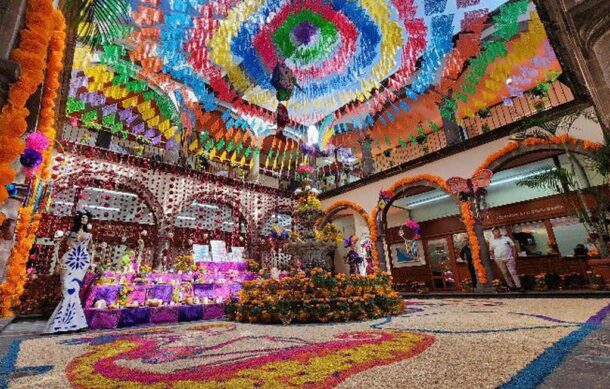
(398, 189)
(231, 202)
(342, 205)
(125, 182)
(514, 150)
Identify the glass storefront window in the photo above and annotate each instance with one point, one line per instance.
(440, 264)
(570, 233)
(459, 241)
(532, 238)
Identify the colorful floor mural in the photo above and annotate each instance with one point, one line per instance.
(434, 343)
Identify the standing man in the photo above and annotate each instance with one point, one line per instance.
(466, 255)
(504, 251)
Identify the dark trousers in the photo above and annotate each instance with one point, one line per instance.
(473, 274)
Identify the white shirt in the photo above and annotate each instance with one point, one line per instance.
(502, 247)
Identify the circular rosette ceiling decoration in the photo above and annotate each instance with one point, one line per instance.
(339, 50)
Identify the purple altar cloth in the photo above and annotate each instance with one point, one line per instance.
(134, 316)
(126, 317)
(165, 314)
(102, 318)
(190, 312)
(163, 292)
(213, 311)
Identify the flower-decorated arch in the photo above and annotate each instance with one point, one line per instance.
(114, 180)
(514, 149)
(228, 201)
(342, 205)
(398, 188)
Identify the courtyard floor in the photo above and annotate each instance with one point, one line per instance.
(444, 343)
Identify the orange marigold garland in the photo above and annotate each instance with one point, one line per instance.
(469, 222)
(552, 140)
(467, 216)
(43, 33)
(370, 221)
(31, 55)
(12, 288)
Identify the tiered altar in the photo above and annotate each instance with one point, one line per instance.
(117, 299)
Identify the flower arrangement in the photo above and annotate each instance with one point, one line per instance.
(541, 282)
(123, 298)
(596, 281)
(497, 285)
(413, 226)
(329, 233)
(309, 203)
(183, 263)
(144, 270)
(305, 169)
(315, 297)
(552, 247)
(253, 266)
(467, 285)
(384, 197)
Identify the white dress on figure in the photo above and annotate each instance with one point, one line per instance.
(362, 252)
(69, 314)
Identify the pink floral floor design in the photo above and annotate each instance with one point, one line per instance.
(434, 343)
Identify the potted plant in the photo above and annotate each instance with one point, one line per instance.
(596, 281)
(587, 202)
(484, 113)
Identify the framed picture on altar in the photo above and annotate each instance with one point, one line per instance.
(408, 254)
(219, 250)
(201, 253)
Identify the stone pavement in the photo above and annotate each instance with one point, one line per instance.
(19, 329)
(587, 366)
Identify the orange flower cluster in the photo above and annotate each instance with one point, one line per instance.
(34, 39)
(369, 220)
(316, 297)
(12, 288)
(553, 140)
(41, 46)
(469, 222)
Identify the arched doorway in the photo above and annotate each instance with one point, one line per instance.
(543, 220)
(422, 234)
(120, 217)
(205, 220)
(352, 220)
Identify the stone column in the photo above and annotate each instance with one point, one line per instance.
(254, 173)
(368, 166)
(580, 34)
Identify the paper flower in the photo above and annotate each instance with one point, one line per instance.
(30, 158)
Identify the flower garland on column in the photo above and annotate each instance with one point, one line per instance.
(31, 56)
(467, 216)
(42, 43)
(12, 289)
(469, 222)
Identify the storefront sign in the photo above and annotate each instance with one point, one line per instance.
(528, 211)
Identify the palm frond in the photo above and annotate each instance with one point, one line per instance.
(549, 180)
(98, 22)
